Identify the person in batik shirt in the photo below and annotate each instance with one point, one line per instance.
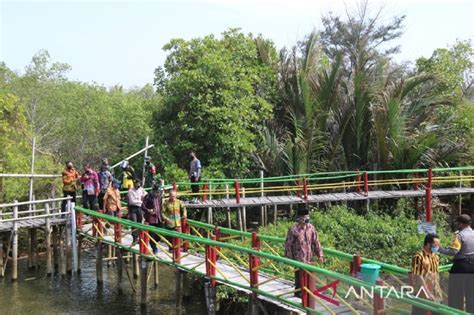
(302, 243)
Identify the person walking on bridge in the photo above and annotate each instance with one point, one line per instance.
(105, 179)
(173, 211)
(302, 244)
(111, 199)
(128, 175)
(461, 275)
(90, 188)
(70, 182)
(194, 175)
(151, 207)
(135, 198)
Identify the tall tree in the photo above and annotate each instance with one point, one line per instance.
(217, 93)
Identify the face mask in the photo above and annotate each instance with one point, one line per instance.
(434, 249)
(306, 220)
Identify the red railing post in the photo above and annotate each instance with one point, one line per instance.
(177, 248)
(305, 188)
(118, 231)
(210, 260)
(204, 190)
(185, 229)
(429, 211)
(358, 182)
(79, 219)
(217, 235)
(144, 238)
(254, 261)
(298, 183)
(303, 284)
(237, 191)
(366, 184)
(355, 264)
(378, 300)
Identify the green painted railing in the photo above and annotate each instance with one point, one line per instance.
(421, 303)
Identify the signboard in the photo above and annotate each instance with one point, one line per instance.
(426, 227)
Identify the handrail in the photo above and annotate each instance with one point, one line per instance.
(23, 203)
(424, 304)
(275, 239)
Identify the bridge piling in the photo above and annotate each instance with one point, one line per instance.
(179, 290)
(144, 266)
(47, 229)
(210, 293)
(55, 239)
(119, 270)
(135, 266)
(1, 255)
(62, 254)
(15, 244)
(156, 278)
(98, 263)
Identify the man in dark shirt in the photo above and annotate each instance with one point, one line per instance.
(151, 207)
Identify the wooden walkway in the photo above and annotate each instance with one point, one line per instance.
(196, 262)
(326, 197)
(31, 223)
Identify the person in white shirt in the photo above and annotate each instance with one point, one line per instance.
(135, 199)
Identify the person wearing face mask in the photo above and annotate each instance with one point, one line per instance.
(90, 188)
(135, 197)
(70, 178)
(424, 270)
(302, 243)
(461, 275)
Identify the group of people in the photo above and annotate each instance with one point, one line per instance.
(302, 244)
(102, 189)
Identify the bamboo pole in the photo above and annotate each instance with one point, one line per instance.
(144, 266)
(132, 156)
(98, 263)
(156, 278)
(135, 266)
(62, 253)
(119, 270)
(144, 163)
(55, 246)
(227, 210)
(47, 229)
(15, 244)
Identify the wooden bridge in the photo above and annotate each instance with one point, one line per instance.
(254, 264)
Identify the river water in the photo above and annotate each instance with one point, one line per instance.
(35, 293)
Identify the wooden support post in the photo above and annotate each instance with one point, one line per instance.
(33, 262)
(79, 252)
(239, 213)
(144, 264)
(98, 263)
(471, 201)
(210, 292)
(275, 213)
(73, 238)
(429, 211)
(119, 270)
(244, 213)
(135, 266)
(47, 229)
(179, 290)
(209, 209)
(366, 184)
(55, 246)
(62, 253)
(67, 244)
(227, 210)
(204, 195)
(378, 300)
(156, 278)
(1, 253)
(15, 244)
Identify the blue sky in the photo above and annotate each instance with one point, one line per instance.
(120, 42)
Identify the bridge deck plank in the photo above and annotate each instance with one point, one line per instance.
(328, 197)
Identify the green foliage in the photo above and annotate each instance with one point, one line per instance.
(217, 92)
(453, 68)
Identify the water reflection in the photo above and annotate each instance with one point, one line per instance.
(35, 293)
